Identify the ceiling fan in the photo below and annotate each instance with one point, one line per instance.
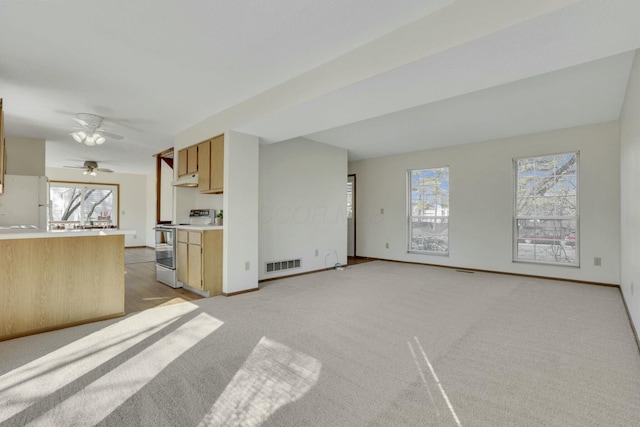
(91, 168)
(90, 131)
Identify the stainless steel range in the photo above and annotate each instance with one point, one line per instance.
(166, 245)
(166, 255)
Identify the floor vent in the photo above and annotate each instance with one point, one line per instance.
(273, 267)
(465, 271)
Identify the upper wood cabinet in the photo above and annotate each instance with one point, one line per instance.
(182, 162)
(211, 165)
(188, 160)
(3, 150)
(192, 159)
(204, 165)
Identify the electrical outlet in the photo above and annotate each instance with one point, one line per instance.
(247, 265)
(317, 252)
(382, 211)
(597, 261)
(386, 245)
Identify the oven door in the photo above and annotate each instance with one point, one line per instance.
(165, 247)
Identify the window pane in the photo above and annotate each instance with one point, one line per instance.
(544, 165)
(546, 209)
(66, 202)
(429, 210)
(76, 205)
(430, 234)
(98, 204)
(349, 200)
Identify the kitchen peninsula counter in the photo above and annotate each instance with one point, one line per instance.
(54, 279)
(28, 233)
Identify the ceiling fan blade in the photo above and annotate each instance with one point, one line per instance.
(111, 135)
(104, 170)
(82, 122)
(75, 167)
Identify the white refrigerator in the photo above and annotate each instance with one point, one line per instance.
(25, 201)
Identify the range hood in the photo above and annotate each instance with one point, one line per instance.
(190, 180)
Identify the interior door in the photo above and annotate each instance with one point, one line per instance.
(351, 215)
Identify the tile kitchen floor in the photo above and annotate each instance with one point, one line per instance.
(142, 290)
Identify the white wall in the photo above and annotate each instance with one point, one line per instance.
(302, 205)
(133, 199)
(481, 201)
(630, 194)
(150, 202)
(25, 156)
(240, 202)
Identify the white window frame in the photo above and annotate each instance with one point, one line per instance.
(576, 217)
(441, 218)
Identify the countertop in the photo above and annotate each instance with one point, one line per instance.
(200, 227)
(39, 234)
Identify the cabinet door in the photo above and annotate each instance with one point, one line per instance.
(3, 153)
(217, 165)
(182, 162)
(204, 160)
(192, 159)
(212, 261)
(195, 266)
(182, 258)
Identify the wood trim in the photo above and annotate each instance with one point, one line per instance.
(58, 327)
(158, 186)
(633, 328)
(138, 247)
(165, 152)
(159, 158)
(271, 279)
(610, 285)
(246, 291)
(355, 228)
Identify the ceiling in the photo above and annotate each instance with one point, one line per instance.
(376, 77)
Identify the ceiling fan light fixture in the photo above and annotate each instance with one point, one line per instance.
(91, 133)
(90, 140)
(79, 136)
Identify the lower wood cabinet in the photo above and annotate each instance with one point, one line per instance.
(199, 259)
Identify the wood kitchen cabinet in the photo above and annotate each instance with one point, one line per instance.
(211, 165)
(188, 160)
(53, 281)
(199, 259)
(3, 150)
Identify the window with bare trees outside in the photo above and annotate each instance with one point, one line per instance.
(76, 205)
(429, 211)
(546, 209)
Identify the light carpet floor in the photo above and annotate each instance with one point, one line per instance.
(379, 344)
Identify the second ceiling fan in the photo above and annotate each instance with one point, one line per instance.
(91, 168)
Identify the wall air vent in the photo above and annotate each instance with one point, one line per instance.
(276, 266)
